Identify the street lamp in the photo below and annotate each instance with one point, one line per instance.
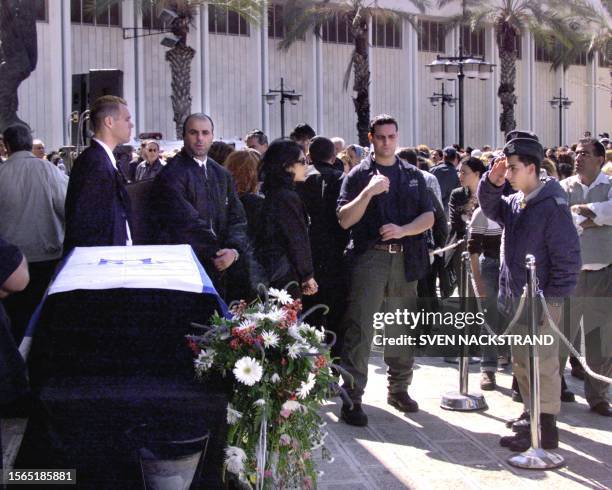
(459, 67)
(443, 98)
(289, 95)
(560, 103)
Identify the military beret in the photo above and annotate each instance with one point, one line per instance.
(519, 133)
(525, 147)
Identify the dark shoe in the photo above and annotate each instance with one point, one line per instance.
(566, 395)
(577, 369)
(516, 393)
(549, 436)
(402, 402)
(603, 408)
(511, 422)
(487, 381)
(356, 416)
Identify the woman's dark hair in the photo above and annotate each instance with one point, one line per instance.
(280, 155)
(219, 151)
(475, 164)
(565, 170)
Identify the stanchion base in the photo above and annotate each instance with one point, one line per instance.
(465, 403)
(537, 459)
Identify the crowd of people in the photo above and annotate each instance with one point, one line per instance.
(347, 226)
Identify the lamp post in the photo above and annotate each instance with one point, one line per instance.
(443, 98)
(289, 95)
(459, 67)
(560, 103)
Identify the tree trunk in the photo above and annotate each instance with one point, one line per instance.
(180, 57)
(361, 81)
(18, 54)
(506, 40)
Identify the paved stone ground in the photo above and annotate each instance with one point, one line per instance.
(439, 449)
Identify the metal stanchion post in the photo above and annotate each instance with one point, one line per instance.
(463, 400)
(535, 457)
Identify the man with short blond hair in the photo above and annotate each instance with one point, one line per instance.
(97, 204)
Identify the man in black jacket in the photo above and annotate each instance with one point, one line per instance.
(97, 204)
(196, 203)
(446, 173)
(328, 240)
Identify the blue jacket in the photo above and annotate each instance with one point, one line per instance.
(544, 228)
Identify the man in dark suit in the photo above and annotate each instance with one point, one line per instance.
(196, 203)
(97, 204)
(446, 173)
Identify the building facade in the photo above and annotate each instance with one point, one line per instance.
(236, 63)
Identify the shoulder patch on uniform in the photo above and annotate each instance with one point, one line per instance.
(561, 201)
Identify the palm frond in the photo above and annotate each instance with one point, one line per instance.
(347, 74)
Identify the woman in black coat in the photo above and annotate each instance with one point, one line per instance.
(282, 245)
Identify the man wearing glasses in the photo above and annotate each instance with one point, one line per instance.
(151, 164)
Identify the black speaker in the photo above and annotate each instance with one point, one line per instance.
(104, 82)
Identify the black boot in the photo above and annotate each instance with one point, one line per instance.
(577, 369)
(510, 424)
(549, 436)
(566, 394)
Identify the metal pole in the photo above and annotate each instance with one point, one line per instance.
(463, 400)
(443, 104)
(465, 359)
(534, 366)
(560, 118)
(282, 104)
(461, 76)
(535, 457)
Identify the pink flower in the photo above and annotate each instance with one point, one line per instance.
(285, 439)
(268, 474)
(285, 413)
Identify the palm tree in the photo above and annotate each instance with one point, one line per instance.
(18, 54)
(302, 16)
(511, 18)
(180, 56)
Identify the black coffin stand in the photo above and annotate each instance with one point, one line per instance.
(105, 361)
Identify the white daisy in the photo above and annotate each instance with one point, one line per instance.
(234, 459)
(275, 314)
(275, 378)
(306, 386)
(292, 406)
(270, 339)
(243, 325)
(259, 403)
(232, 414)
(293, 351)
(282, 296)
(294, 331)
(205, 359)
(248, 370)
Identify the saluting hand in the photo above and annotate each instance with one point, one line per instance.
(497, 175)
(310, 287)
(378, 184)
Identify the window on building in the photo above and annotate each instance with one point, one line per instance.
(581, 59)
(221, 20)
(81, 12)
(473, 41)
(386, 33)
(542, 52)
(42, 12)
(431, 36)
(150, 18)
(337, 30)
(276, 26)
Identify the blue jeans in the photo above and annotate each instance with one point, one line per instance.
(489, 272)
